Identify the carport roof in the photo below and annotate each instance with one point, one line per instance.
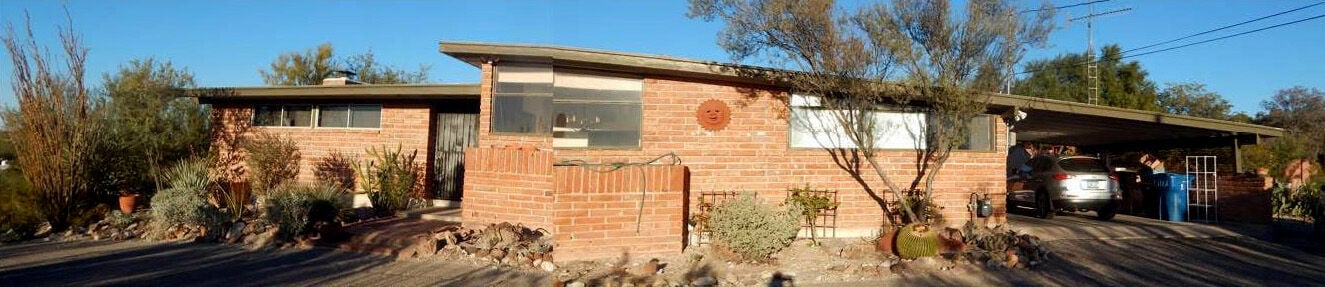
(1049, 121)
(358, 92)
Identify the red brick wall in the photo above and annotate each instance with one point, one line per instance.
(752, 152)
(1244, 198)
(403, 124)
(591, 214)
(605, 214)
(508, 184)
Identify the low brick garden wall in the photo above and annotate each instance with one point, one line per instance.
(591, 211)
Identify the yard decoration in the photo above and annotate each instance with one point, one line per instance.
(917, 240)
(713, 115)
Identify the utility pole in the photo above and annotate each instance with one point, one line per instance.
(1092, 64)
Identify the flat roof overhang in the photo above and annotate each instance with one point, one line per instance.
(1047, 121)
(338, 92)
(1110, 128)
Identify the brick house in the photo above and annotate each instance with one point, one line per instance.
(534, 140)
(437, 121)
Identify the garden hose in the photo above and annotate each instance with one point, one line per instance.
(644, 177)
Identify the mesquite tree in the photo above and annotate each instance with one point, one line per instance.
(913, 56)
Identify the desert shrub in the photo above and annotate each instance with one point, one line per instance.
(1303, 202)
(337, 170)
(299, 209)
(119, 219)
(272, 160)
(54, 123)
(752, 229)
(184, 201)
(811, 202)
(389, 178)
(19, 216)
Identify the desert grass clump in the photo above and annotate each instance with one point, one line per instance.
(301, 209)
(184, 201)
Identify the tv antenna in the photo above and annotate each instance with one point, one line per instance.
(1092, 65)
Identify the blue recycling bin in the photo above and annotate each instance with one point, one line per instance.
(1172, 188)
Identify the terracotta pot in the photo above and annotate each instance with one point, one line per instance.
(886, 242)
(128, 202)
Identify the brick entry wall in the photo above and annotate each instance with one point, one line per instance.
(591, 212)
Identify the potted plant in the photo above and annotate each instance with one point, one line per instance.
(128, 201)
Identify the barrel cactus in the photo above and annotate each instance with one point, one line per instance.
(917, 240)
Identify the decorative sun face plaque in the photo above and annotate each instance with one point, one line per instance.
(713, 115)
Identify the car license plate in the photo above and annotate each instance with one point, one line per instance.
(1094, 184)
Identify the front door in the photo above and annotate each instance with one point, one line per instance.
(456, 128)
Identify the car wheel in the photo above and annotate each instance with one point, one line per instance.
(1107, 212)
(1044, 208)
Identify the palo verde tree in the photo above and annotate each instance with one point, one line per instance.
(150, 124)
(53, 130)
(913, 55)
(313, 65)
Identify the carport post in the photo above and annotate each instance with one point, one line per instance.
(1237, 155)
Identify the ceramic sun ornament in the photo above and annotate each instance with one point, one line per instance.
(713, 115)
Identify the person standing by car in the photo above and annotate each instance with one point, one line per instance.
(1018, 156)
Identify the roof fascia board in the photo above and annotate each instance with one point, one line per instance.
(339, 92)
(477, 53)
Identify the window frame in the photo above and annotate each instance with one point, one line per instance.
(497, 93)
(312, 115)
(349, 119)
(806, 102)
(315, 115)
(639, 138)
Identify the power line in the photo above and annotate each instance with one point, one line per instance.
(1229, 36)
(1191, 44)
(1067, 6)
(1224, 27)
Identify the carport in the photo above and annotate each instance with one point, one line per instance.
(1104, 131)
(1101, 129)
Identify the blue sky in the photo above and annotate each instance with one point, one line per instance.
(225, 43)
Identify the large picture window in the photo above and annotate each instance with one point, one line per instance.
(813, 126)
(523, 99)
(596, 110)
(349, 116)
(579, 108)
(283, 115)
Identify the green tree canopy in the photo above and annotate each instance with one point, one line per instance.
(1300, 110)
(1122, 84)
(150, 124)
(1192, 99)
(313, 65)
